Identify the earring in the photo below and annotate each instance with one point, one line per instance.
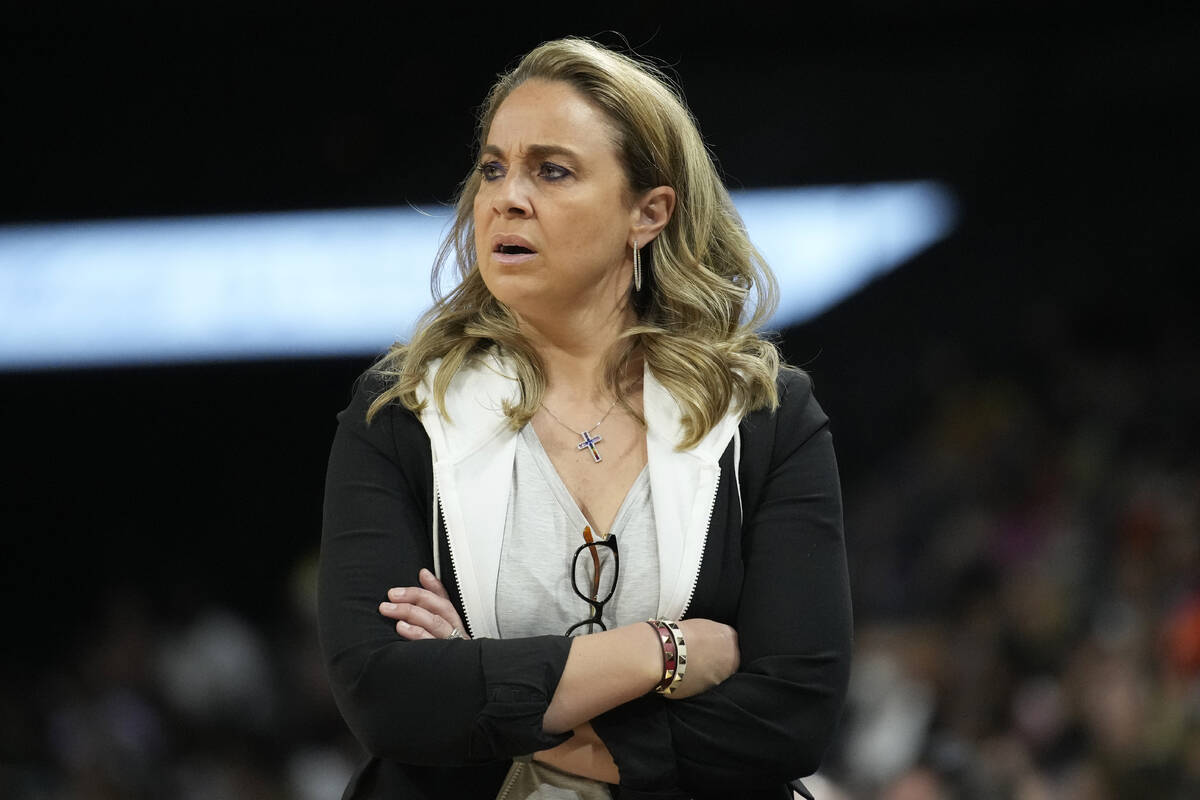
(637, 267)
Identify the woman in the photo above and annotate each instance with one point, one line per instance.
(591, 380)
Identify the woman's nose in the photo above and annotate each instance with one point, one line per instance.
(511, 198)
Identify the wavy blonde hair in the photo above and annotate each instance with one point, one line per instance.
(701, 271)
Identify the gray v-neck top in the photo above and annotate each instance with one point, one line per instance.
(543, 528)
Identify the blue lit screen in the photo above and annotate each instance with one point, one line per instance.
(352, 281)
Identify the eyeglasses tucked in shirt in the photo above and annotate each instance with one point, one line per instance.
(596, 586)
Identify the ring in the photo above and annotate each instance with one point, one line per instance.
(455, 634)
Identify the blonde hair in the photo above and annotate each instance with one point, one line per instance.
(701, 269)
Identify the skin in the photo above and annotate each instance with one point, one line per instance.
(553, 178)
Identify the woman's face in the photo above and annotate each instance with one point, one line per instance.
(553, 215)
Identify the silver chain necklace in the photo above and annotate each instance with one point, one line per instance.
(589, 442)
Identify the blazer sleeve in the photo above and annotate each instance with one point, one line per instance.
(772, 721)
(426, 701)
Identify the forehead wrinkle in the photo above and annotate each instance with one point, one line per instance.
(535, 151)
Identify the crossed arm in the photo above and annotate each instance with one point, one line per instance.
(603, 670)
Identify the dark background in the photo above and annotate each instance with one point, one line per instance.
(1066, 138)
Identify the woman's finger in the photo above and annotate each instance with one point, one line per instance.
(412, 632)
(413, 615)
(426, 599)
(430, 582)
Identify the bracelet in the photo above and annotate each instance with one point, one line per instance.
(670, 662)
(674, 654)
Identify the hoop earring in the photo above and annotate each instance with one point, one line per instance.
(637, 267)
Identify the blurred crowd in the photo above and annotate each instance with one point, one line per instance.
(1026, 572)
(191, 704)
(1026, 569)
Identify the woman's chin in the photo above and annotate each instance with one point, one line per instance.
(523, 293)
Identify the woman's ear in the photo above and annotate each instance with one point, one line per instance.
(651, 213)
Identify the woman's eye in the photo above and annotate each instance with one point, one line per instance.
(552, 171)
(490, 171)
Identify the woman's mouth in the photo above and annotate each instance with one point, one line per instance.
(509, 249)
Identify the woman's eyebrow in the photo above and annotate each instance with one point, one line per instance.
(535, 151)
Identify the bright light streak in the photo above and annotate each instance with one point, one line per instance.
(352, 281)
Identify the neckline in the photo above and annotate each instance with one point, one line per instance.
(563, 494)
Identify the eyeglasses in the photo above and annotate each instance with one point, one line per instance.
(602, 580)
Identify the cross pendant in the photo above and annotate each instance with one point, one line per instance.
(589, 442)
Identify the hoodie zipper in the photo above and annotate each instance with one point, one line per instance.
(440, 511)
(712, 504)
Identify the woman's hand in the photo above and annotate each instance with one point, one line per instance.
(423, 612)
(712, 656)
(583, 754)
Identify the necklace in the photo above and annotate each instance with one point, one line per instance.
(589, 442)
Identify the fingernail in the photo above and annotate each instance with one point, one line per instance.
(426, 572)
(388, 606)
(395, 594)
